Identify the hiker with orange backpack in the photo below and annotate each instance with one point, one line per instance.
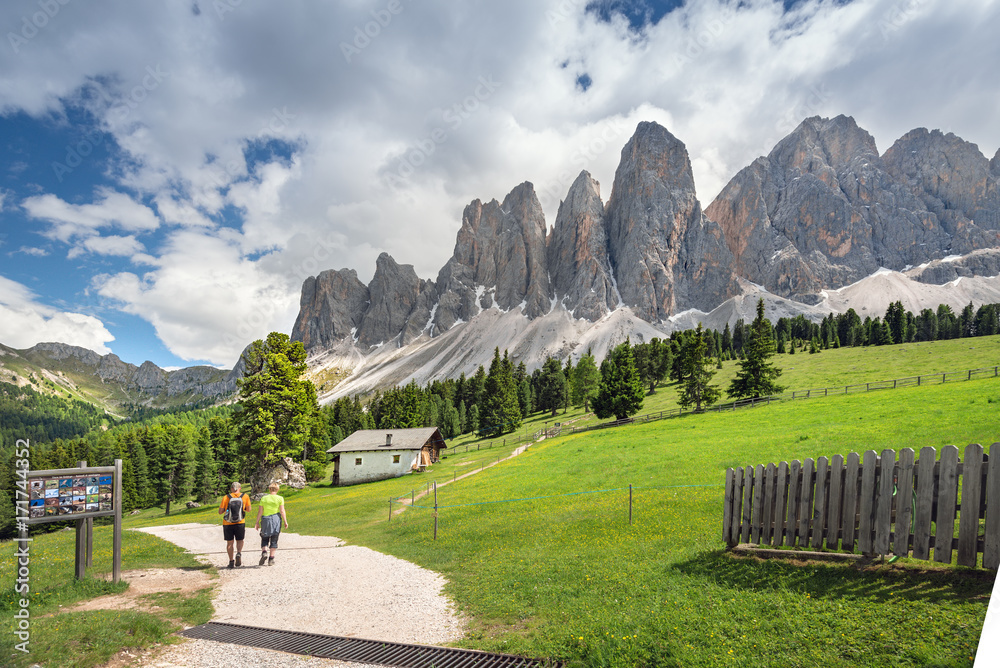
(234, 508)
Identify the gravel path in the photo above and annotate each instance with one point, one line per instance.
(317, 585)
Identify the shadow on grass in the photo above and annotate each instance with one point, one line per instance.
(831, 580)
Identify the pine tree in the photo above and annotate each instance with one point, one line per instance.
(697, 389)
(277, 408)
(552, 386)
(463, 418)
(621, 391)
(205, 468)
(501, 410)
(473, 424)
(756, 375)
(586, 381)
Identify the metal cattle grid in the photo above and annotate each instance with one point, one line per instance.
(401, 655)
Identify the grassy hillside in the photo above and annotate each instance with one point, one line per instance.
(566, 576)
(544, 569)
(70, 378)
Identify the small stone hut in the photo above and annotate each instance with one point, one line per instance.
(378, 454)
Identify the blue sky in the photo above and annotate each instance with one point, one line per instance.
(170, 173)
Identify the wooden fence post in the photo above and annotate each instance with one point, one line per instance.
(390, 509)
(794, 499)
(883, 507)
(630, 504)
(748, 484)
(925, 504)
(835, 503)
(435, 510)
(780, 502)
(849, 516)
(991, 552)
(867, 504)
(947, 499)
(972, 487)
(820, 504)
(904, 503)
(727, 508)
(805, 505)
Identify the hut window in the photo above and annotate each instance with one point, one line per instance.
(395, 459)
(357, 461)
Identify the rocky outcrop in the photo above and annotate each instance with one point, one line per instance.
(399, 303)
(666, 255)
(821, 210)
(995, 164)
(331, 307)
(577, 255)
(954, 181)
(286, 473)
(977, 263)
(499, 260)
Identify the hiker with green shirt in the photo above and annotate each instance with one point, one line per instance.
(270, 516)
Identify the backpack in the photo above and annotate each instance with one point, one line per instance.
(234, 514)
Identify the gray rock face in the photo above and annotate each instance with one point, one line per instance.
(954, 181)
(666, 255)
(499, 260)
(995, 164)
(984, 262)
(331, 307)
(821, 210)
(399, 303)
(577, 255)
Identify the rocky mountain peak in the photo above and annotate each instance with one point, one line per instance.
(821, 210)
(995, 164)
(660, 244)
(331, 307)
(398, 300)
(499, 260)
(824, 146)
(578, 252)
(952, 178)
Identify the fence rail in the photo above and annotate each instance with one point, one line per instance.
(875, 505)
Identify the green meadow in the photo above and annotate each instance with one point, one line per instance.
(542, 561)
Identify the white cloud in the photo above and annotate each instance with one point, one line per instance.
(109, 245)
(31, 250)
(204, 298)
(24, 322)
(73, 220)
(468, 99)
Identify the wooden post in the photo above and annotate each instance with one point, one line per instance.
(849, 515)
(883, 510)
(435, 510)
(968, 524)
(835, 503)
(116, 554)
(727, 508)
(81, 539)
(413, 498)
(819, 511)
(758, 504)
(904, 503)
(991, 551)
(390, 509)
(925, 504)
(866, 508)
(630, 504)
(90, 542)
(947, 498)
(780, 502)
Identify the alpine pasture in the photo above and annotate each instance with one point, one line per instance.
(540, 555)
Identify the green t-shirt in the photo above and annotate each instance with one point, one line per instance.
(271, 503)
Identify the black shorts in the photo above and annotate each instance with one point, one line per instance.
(234, 531)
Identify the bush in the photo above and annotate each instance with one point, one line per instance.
(314, 470)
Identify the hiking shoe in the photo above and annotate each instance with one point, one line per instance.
(270, 561)
(239, 560)
(263, 559)
(231, 564)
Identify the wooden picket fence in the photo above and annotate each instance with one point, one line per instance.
(871, 507)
